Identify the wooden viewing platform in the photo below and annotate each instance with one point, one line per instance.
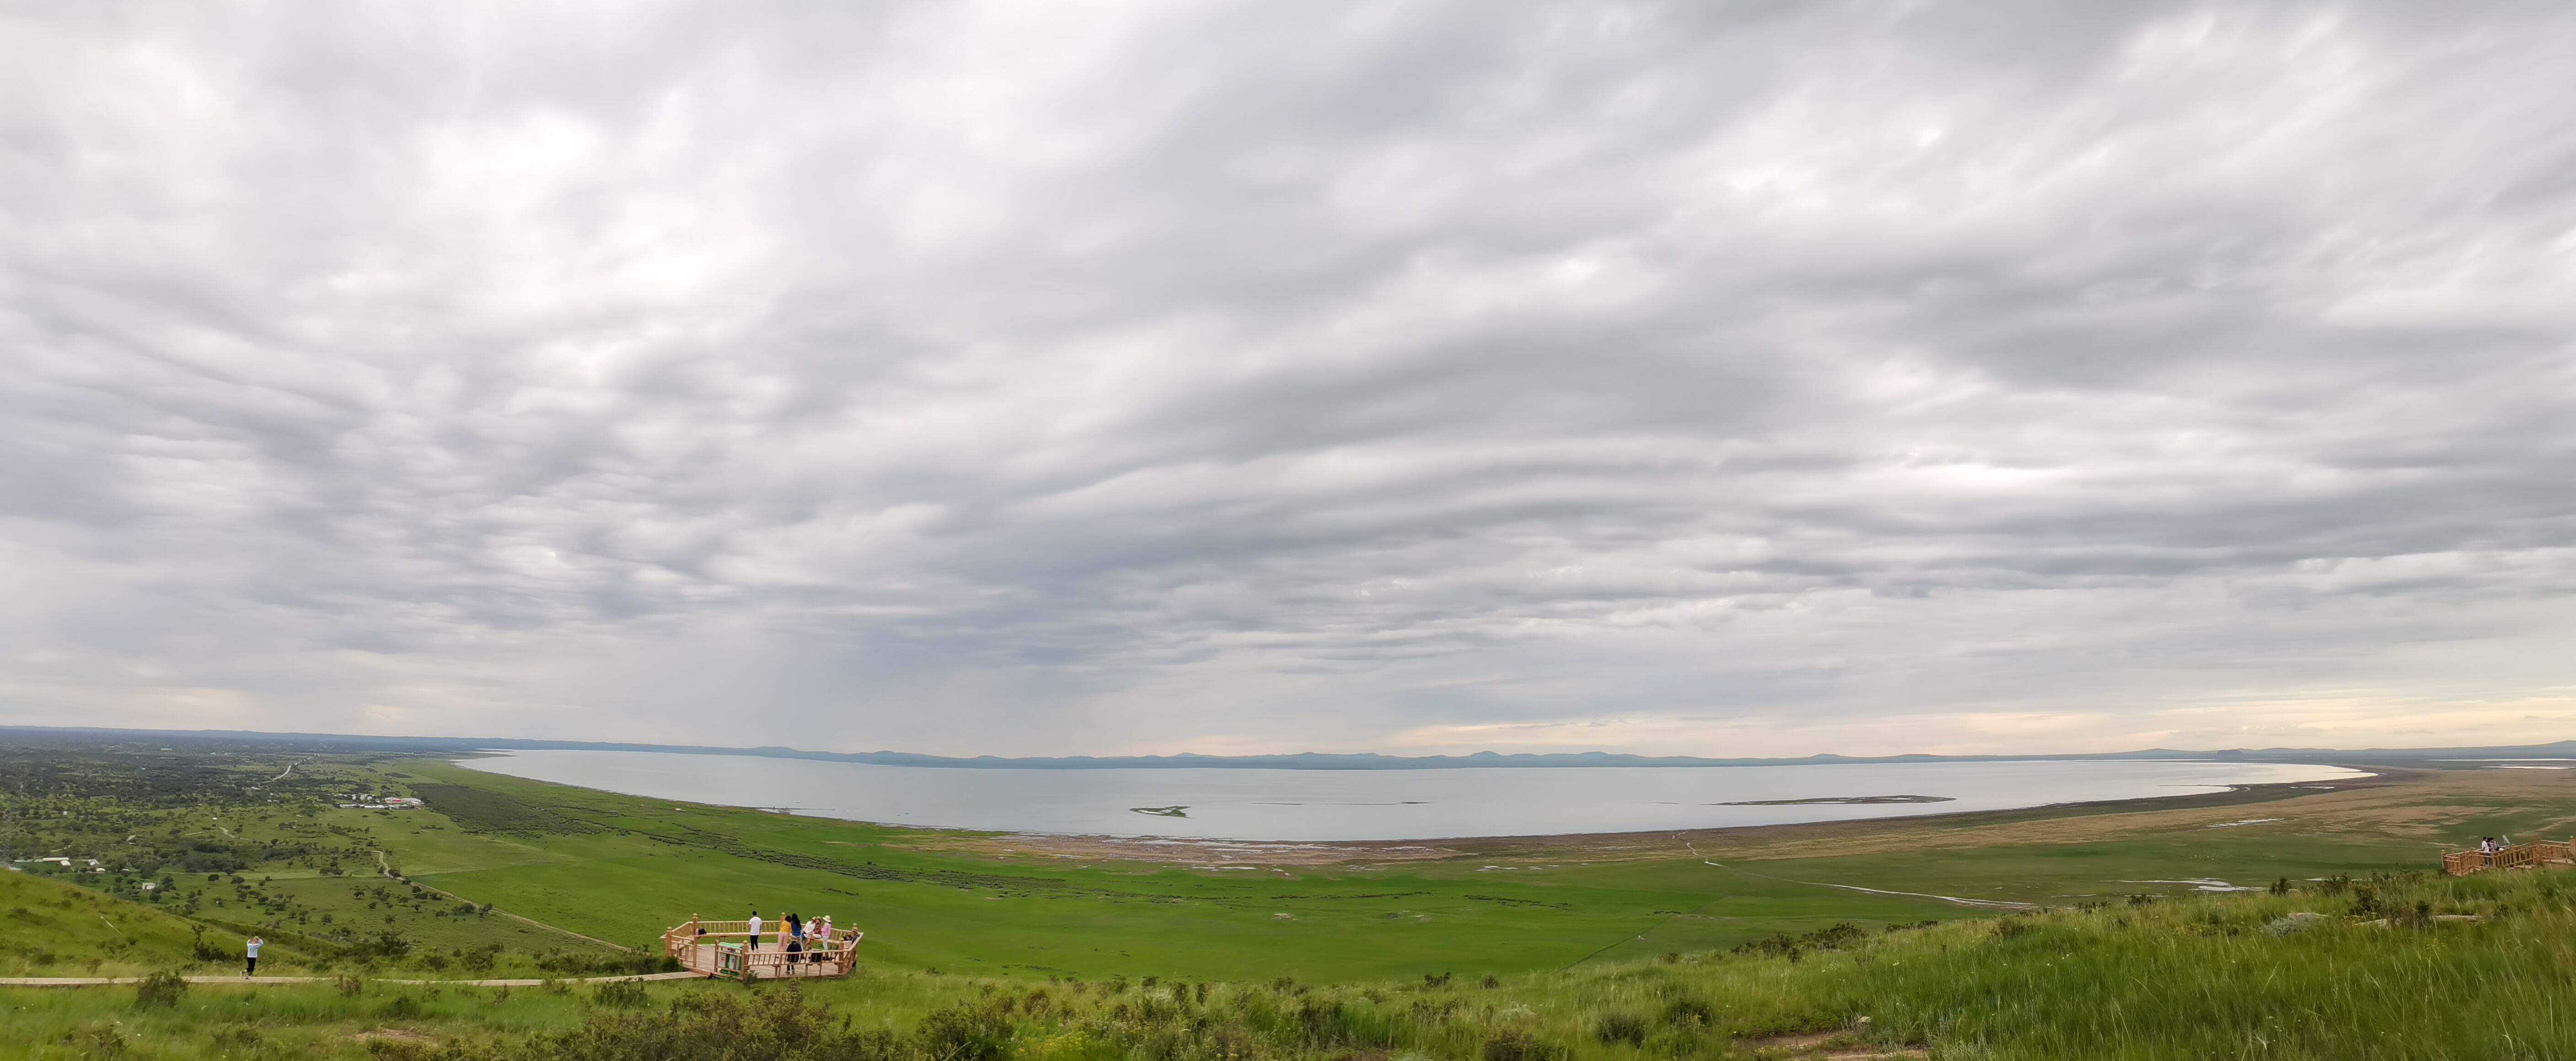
(2519, 856)
(723, 948)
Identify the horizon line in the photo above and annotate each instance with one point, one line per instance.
(1271, 760)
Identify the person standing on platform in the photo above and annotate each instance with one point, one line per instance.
(755, 930)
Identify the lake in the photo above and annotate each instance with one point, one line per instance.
(1325, 805)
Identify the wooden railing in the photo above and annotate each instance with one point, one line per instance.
(2519, 856)
(724, 948)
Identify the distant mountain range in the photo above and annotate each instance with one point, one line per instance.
(1301, 761)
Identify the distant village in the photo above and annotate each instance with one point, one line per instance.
(368, 801)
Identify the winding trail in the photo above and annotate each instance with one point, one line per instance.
(1982, 904)
(385, 869)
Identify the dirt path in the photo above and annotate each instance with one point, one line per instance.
(1986, 904)
(97, 981)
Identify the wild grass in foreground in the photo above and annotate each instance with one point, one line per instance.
(2392, 967)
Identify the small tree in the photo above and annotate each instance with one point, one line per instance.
(202, 950)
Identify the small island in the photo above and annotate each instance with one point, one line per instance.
(1831, 799)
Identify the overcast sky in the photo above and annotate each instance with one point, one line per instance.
(1055, 378)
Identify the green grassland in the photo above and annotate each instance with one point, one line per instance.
(508, 877)
(932, 908)
(622, 868)
(2397, 967)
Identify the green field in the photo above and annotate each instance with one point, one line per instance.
(2394, 968)
(622, 869)
(508, 877)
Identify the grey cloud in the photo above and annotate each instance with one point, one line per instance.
(1678, 377)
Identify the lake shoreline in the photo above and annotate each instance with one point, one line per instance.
(1217, 853)
(1449, 807)
(1626, 846)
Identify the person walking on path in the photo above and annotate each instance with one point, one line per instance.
(755, 930)
(251, 963)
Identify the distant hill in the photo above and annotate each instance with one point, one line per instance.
(1300, 761)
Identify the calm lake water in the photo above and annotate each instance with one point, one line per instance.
(1325, 805)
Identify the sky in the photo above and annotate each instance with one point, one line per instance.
(1756, 378)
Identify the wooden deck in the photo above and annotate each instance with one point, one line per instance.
(2519, 856)
(725, 949)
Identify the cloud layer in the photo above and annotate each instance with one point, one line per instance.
(1729, 379)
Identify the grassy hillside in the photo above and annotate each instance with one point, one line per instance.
(196, 850)
(54, 929)
(2393, 968)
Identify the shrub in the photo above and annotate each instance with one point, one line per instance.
(386, 943)
(1328, 1022)
(1689, 1011)
(574, 963)
(964, 1032)
(101, 1041)
(625, 994)
(202, 950)
(161, 989)
(766, 1025)
(1519, 1045)
(1626, 1028)
(1836, 936)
